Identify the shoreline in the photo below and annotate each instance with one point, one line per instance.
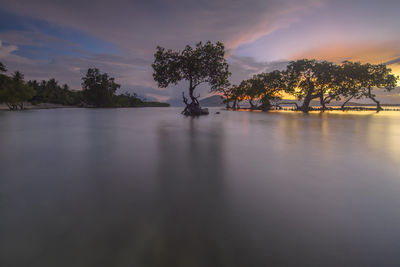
(29, 106)
(388, 108)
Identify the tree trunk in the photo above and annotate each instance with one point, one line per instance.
(266, 105)
(234, 104)
(306, 103)
(192, 97)
(193, 108)
(345, 102)
(227, 101)
(378, 104)
(322, 101)
(252, 106)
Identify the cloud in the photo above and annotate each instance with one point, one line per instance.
(393, 61)
(6, 50)
(33, 39)
(137, 27)
(364, 51)
(245, 67)
(140, 25)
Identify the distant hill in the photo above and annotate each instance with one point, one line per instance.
(212, 101)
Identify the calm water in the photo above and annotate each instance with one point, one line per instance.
(149, 187)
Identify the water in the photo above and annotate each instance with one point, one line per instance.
(149, 187)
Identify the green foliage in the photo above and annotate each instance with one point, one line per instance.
(271, 86)
(310, 79)
(99, 89)
(129, 100)
(205, 63)
(4, 80)
(2, 67)
(51, 92)
(14, 91)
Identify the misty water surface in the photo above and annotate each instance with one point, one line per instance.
(149, 187)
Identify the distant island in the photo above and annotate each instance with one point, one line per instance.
(98, 91)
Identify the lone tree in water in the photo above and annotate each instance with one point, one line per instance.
(205, 63)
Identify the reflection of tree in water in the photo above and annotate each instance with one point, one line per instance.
(190, 227)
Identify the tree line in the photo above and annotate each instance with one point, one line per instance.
(98, 90)
(304, 79)
(307, 80)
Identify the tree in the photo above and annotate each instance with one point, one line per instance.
(325, 74)
(15, 91)
(227, 94)
(271, 86)
(99, 89)
(349, 81)
(4, 80)
(302, 81)
(377, 76)
(205, 63)
(234, 94)
(238, 94)
(2, 68)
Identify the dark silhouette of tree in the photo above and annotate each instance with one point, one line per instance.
(51, 92)
(205, 63)
(379, 77)
(2, 67)
(358, 80)
(349, 81)
(252, 88)
(239, 96)
(312, 79)
(271, 86)
(99, 88)
(4, 80)
(14, 91)
(325, 81)
(308, 79)
(301, 77)
(227, 94)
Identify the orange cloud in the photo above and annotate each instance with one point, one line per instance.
(372, 52)
(364, 52)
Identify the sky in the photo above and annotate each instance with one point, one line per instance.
(62, 39)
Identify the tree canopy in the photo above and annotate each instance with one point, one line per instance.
(14, 91)
(204, 63)
(98, 88)
(312, 79)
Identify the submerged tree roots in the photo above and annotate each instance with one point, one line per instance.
(193, 108)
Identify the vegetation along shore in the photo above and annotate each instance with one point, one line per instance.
(98, 90)
(304, 80)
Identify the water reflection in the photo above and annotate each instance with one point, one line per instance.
(148, 187)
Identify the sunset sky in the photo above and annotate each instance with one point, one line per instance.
(61, 39)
